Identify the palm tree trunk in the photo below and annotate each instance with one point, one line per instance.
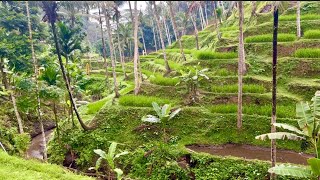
(104, 49)
(240, 65)
(223, 10)
(111, 47)
(174, 25)
(83, 125)
(35, 64)
(135, 58)
(168, 70)
(166, 30)
(195, 31)
(120, 52)
(298, 20)
(56, 118)
(12, 96)
(202, 17)
(215, 15)
(206, 13)
(144, 44)
(154, 37)
(274, 86)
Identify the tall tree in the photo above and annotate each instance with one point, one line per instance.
(111, 47)
(104, 49)
(191, 13)
(174, 25)
(50, 9)
(274, 85)
(117, 16)
(240, 65)
(168, 70)
(136, 53)
(298, 20)
(35, 64)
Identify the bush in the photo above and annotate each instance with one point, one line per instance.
(269, 38)
(251, 88)
(142, 101)
(312, 34)
(163, 81)
(263, 110)
(307, 53)
(205, 55)
(293, 17)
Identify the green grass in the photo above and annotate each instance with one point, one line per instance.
(185, 51)
(143, 101)
(269, 38)
(251, 88)
(307, 53)
(231, 28)
(293, 17)
(312, 34)
(15, 168)
(163, 81)
(205, 55)
(172, 64)
(263, 110)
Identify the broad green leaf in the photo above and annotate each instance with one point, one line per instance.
(288, 170)
(100, 152)
(119, 173)
(315, 165)
(316, 104)
(157, 108)
(165, 110)
(306, 119)
(279, 135)
(98, 163)
(112, 149)
(121, 154)
(174, 113)
(289, 127)
(151, 118)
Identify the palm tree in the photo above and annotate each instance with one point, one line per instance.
(190, 13)
(136, 53)
(174, 25)
(168, 70)
(298, 20)
(274, 85)
(141, 19)
(111, 47)
(240, 65)
(117, 16)
(50, 9)
(35, 64)
(104, 49)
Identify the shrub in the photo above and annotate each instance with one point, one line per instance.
(269, 38)
(205, 55)
(293, 17)
(307, 53)
(251, 88)
(312, 34)
(163, 81)
(142, 101)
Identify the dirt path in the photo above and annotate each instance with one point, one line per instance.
(252, 152)
(35, 149)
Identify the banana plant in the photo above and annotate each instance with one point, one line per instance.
(163, 116)
(308, 129)
(110, 157)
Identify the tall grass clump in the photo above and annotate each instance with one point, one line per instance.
(163, 81)
(185, 51)
(312, 34)
(143, 101)
(293, 17)
(262, 110)
(307, 53)
(269, 38)
(205, 55)
(250, 88)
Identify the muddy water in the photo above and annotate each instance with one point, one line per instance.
(252, 152)
(35, 149)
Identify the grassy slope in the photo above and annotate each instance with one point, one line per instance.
(15, 168)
